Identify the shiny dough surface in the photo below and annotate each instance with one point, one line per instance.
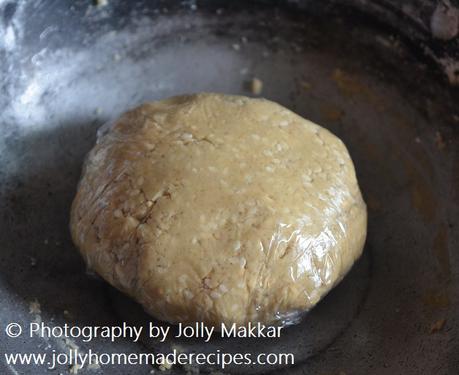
(219, 209)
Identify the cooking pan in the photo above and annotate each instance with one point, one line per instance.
(382, 75)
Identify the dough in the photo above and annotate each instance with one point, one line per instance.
(219, 209)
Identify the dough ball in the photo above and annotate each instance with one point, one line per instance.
(220, 209)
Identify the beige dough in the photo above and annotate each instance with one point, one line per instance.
(218, 208)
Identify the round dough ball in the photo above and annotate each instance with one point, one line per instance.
(219, 209)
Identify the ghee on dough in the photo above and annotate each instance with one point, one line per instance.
(220, 209)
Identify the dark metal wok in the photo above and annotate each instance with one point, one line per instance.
(381, 74)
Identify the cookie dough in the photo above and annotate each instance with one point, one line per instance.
(219, 209)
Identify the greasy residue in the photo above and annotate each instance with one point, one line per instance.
(440, 250)
(437, 299)
(350, 86)
(422, 196)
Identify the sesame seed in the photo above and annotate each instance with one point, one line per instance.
(223, 288)
(186, 137)
(215, 295)
(188, 294)
(307, 178)
(132, 222)
(248, 178)
(157, 195)
(284, 123)
(134, 192)
(159, 117)
(253, 211)
(182, 278)
(206, 282)
(319, 140)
